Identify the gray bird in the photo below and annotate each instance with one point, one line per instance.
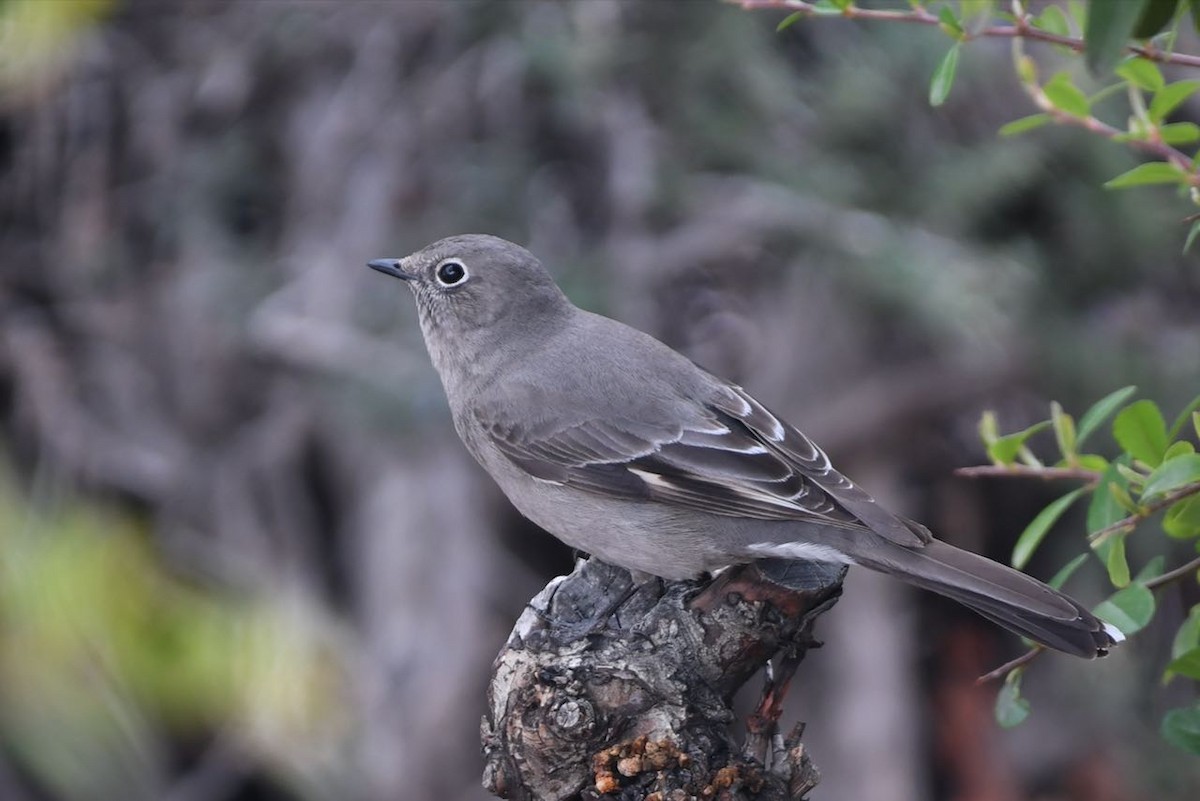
(623, 448)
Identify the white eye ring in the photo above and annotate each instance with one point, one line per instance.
(451, 272)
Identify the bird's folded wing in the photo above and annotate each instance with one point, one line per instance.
(797, 449)
(729, 456)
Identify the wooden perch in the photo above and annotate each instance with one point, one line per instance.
(636, 704)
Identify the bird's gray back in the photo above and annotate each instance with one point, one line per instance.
(601, 368)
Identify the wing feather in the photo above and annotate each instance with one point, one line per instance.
(730, 456)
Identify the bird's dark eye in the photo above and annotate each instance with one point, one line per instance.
(451, 272)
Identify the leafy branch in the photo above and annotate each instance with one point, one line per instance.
(1130, 38)
(1126, 524)
(1020, 27)
(1062, 102)
(1157, 471)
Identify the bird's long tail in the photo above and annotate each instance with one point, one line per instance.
(1005, 596)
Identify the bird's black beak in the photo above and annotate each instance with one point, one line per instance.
(391, 267)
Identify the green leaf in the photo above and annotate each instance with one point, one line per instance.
(1064, 430)
(1112, 551)
(1129, 609)
(1181, 728)
(1024, 124)
(1134, 478)
(1011, 708)
(1138, 133)
(949, 23)
(1036, 531)
(1141, 73)
(1132, 620)
(1193, 232)
(1140, 430)
(1194, 7)
(1066, 571)
(1153, 172)
(1172, 474)
(1027, 70)
(1170, 96)
(1182, 418)
(1156, 15)
(943, 76)
(1004, 450)
(975, 9)
(1188, 636)
(788, 21)
(1091, 461)
(1104, 509)
(1052, 20)
(1179, 448)
(1109, 27)
(1180, 133)
(1182, 520)
(1065, 96)
(1186, 664)
(1102, 410)
(989, 429)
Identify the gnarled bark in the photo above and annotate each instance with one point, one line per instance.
(636, 704)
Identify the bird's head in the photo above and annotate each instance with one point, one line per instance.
(477, 293)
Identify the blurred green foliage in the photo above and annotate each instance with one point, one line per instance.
(36, 38)
(105, 657)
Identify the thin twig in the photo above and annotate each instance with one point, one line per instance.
(1155, 147)
(1026, 471)
(1012, 664)
(1174, 575)
(1143, 512)
(918, 15)
(764, 721)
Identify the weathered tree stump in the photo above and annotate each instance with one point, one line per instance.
(636, 704)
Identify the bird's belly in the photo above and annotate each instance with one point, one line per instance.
(625, 535)
(637, 536)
